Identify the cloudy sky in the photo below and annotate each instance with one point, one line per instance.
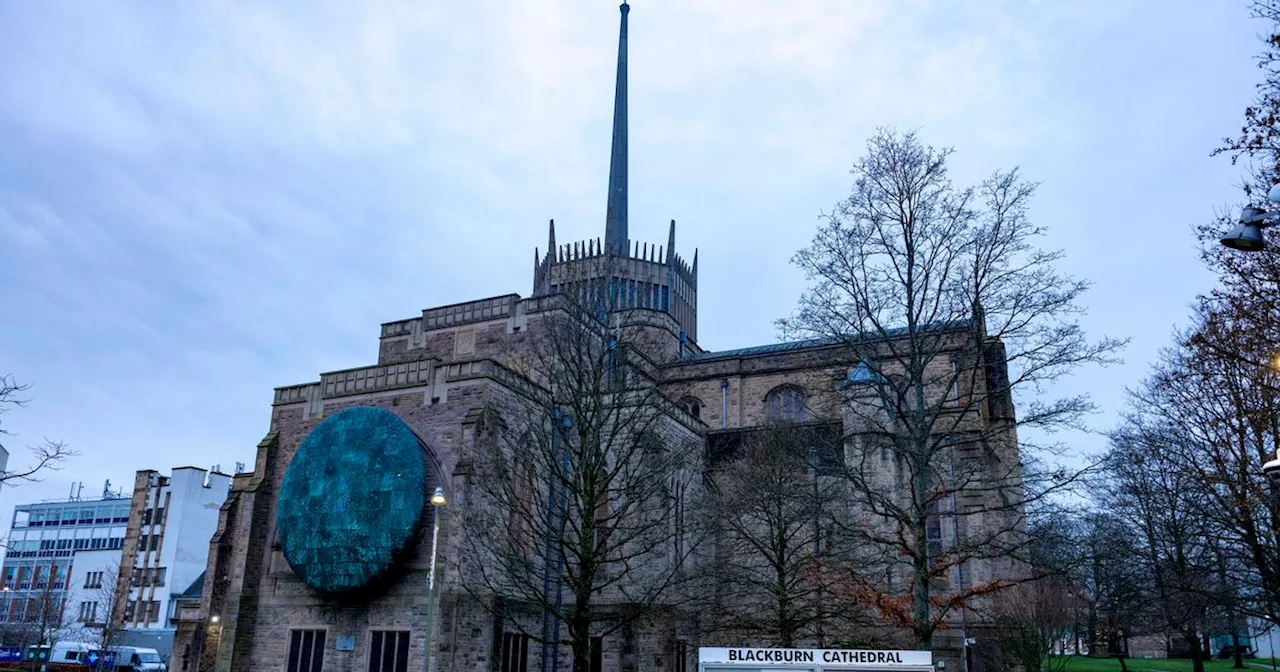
(200, 201)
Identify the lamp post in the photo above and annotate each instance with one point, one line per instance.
(1247, 237)
(438, 500)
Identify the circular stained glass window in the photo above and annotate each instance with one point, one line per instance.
(351, 499)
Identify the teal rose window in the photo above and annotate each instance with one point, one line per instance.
(352, 499)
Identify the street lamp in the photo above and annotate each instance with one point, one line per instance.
(1272, 469)
(1247, 235)
(438, 500)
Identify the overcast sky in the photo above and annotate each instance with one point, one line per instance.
(200, 201)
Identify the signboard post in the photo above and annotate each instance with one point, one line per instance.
(744, 659)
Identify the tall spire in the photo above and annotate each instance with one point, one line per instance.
(615, 227)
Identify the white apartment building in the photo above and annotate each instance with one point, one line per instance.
(42, 541)
(167, 544)
(91, 590)
(77, 556)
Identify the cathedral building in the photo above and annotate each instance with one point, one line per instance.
(323, 555)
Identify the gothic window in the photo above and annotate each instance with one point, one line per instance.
(692, 406)
(785, 403)
(389, 651)
(597, 654)
(515, 653)
(306, 651)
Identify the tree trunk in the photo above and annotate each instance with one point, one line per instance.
(1235, 648)
(580, 642)
(1197, 654)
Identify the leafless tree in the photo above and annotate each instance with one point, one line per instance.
(45, 610)
(943, 294)
(1115, 592)
(46, 456)
(102, 626)
(1032, 619)
(1217, 419)
(776, 500)
(576, 511)
(1164, 508)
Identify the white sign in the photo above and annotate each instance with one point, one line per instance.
(824, 659)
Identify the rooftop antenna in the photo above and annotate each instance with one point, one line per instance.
(106, 489)
(239, 467)
(79, 490)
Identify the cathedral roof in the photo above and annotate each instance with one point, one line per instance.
(788, 346)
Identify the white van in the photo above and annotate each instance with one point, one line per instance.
(138, 658)
(75, 653)
(71, 652)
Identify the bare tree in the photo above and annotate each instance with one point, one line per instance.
(1216, 415)
(954, 311)
(102, 626)
(1114, 590)
(1164, 508)
(45, 609)
(46, 456)
(776, 499)
(1259, 138)
(1032, 619)
(576, 508)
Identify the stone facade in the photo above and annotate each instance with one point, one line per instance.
(438, 379)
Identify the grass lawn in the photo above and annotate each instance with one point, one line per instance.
(1082, 664)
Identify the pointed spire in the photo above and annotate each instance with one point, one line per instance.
(551, 242)
(615, 227)
(671, 243)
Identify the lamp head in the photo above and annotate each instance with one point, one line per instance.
(1246, 236)
(1272, 469)
(438, 498)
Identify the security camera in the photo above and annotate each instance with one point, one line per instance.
(1272, 469)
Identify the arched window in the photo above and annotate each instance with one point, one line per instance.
(785, 403)
(693, 406)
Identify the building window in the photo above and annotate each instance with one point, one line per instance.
(515, 653)
(306, 651)
(596, 646)
(785, 403)
(682, 657)
(129, 608)
(692, 406)
(389, 651)
(88, 612)
(153, 611)
(93, 580)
